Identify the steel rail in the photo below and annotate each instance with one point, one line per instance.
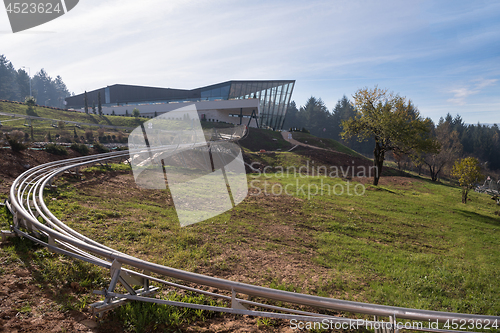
(26, 202)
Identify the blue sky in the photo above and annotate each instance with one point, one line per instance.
(443, 55)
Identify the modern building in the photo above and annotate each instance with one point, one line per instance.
(267, 100)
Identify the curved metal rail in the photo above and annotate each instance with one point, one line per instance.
(26, 202)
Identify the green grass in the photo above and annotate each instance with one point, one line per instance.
(41, 128)
(278, 159)
(324, 143)
(70, 115)
(417, 247)
(268, 140)
(142, 317)
(412, 246)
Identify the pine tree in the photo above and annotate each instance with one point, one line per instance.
(93, 108)
(86, 100)
(99, 105)
(113, 113)
(49, 138)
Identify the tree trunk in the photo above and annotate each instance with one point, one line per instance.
(378, 162)
(464, 195)
(433, 173)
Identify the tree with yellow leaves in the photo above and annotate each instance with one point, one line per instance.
(468, 173)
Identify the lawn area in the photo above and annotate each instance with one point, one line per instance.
(324, 143)
(264, 139)
(407, 242)
(42, 128)
(70, 115)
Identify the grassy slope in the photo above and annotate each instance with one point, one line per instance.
(412, 245)
(71, 115)
(324, 143)
(268, 140)
(41, 128)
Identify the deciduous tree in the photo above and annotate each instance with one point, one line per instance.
(392, 121)
(450, 149)
(468, 173)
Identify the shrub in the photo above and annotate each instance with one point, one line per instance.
(89, 135)
(15, 140)
(80, 148)
(100, 148)
(56, 149)
(136, 113)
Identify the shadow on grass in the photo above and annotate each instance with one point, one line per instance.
(55, 273)
(31, 112)
(479, 217)
(107, 120)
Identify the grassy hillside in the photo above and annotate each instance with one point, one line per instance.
(408, 242)
(42, 128)
(70, 115)
(268, 140)
(324, 143)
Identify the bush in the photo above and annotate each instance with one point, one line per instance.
(89, 135)
(15, 140)
(80, 148)
(99, 147)
(56, 149)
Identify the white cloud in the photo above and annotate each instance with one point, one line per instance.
(330, 47)
(460, 94)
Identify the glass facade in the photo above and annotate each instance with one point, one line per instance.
(274, 97)
(219, 91)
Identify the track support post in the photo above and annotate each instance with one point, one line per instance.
(234, 302)
(115, 275)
